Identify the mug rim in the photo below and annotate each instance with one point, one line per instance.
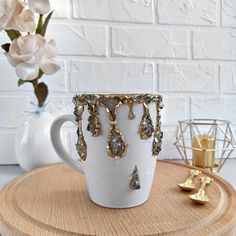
(117, 94)
(122, 98)
(105, 99)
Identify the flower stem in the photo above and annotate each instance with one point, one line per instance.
(40, 89)
(35, 85)
(40, 24)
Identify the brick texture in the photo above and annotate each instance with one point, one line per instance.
(184, 12)
(193, 78)
(229, 13)
(214, 45)
(149, 43)
(113, 10)
(185, 50)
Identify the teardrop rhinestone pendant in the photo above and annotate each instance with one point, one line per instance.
(131, 115)
(157, 143)
(81, 145)
(94, 124)
(81, 148)
(117, 147)
(158, 135)
(146, 128)
(135, 180)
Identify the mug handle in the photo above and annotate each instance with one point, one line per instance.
(57, 143)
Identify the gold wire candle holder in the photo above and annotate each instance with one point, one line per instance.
(205, 143)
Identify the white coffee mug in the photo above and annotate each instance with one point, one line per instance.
(108, 179)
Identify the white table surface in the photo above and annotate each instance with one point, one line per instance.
(7, 173)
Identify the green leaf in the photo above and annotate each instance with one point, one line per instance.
(6, 47)
(21, 82)
(13, 34)
(45, 25)
(41, 93)
(40, 24)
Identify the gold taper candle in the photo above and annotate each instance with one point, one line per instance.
(203, 158)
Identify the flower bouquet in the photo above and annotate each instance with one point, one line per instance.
(29, 52)
(32, 56)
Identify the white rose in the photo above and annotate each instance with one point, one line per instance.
(13, 15)
(39, 6)
(30, 53)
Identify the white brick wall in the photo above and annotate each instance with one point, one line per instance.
(111, 76)
(184, 49)
(196, 12)
(148, 43)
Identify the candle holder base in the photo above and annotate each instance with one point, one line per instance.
(213, 168)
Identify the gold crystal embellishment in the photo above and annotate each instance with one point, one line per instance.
(81, 145)
(158, 134)
(116, 147)
(135, 180)
(94, 124)
(157, 143)
(116, 144)
(131, 115)
(146, 128)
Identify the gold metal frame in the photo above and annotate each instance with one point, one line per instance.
(219, 129)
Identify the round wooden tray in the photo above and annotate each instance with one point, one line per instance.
(54, 201)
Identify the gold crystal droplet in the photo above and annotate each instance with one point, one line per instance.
(94, 124)
(116, 147)
(157, 143)
(131, 115)
(135, 180)
(158, 135)
(146, 128)
(81, 145)
(81, 148)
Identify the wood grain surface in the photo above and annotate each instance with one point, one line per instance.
(54, 201)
